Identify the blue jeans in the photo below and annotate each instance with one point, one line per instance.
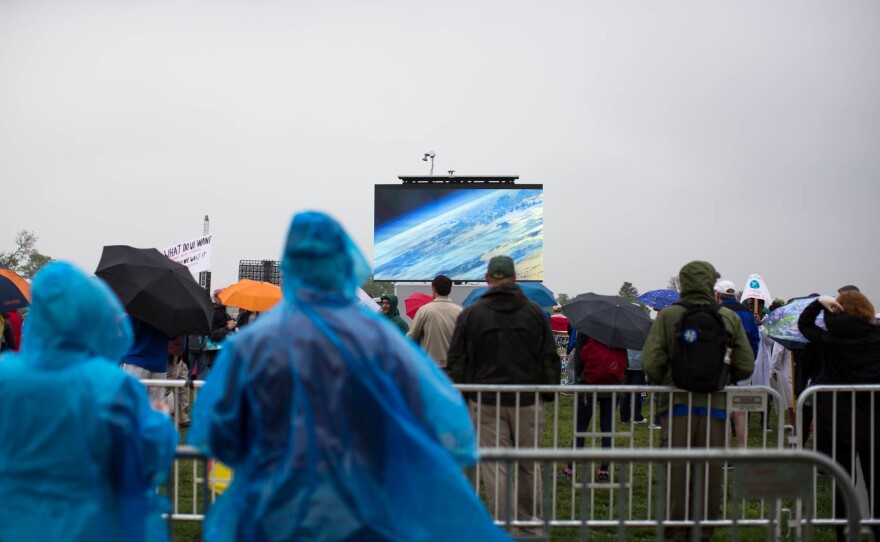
(201, 362)
(585, 415)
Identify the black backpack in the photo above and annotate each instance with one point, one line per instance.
(701, 355)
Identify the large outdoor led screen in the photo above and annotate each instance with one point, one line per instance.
(424, 230)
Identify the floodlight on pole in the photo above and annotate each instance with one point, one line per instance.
(430, 155)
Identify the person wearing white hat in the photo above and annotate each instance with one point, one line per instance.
(725, 294)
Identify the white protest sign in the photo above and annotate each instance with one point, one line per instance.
(195, 254)
(756, 288)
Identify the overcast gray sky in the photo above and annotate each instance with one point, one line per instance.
(744, 133)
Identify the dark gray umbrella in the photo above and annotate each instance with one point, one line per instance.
(610, 319)
(156, 290)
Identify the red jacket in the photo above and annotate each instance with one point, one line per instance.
(602, 364)
(15, 322)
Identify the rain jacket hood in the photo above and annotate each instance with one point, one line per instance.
(394, 313)
(337, 427)
(392, 301)
(697, 281)
(81, 462)
(76, 314)
(321, 261)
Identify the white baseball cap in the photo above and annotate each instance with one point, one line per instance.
(725, 287)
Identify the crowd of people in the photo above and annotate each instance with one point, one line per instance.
(339, 427)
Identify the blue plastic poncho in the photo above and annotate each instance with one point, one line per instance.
(336, 426)
(81, 450)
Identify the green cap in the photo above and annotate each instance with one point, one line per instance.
(501, 267)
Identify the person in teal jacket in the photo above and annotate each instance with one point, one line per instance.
(388, 304)
(81, 450)
(336, 426)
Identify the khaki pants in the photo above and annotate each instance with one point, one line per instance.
(177, 371)
(156, 394)
(703, 430)
(499, 427)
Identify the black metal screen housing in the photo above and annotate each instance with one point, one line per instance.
(261, 270)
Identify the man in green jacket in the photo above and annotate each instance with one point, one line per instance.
(388, 303)
(707, 411)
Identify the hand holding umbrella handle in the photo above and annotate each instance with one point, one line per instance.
(830, 304)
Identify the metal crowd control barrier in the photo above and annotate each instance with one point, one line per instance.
(846, 439)
(557, 428)
(187, 500)
(189, 490)
(762, 475)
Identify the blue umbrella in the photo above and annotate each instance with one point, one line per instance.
(658, 299)
(535, 291)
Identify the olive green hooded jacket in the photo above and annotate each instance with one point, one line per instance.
(394, 313)
(697, 287)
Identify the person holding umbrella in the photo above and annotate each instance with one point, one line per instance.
(848, 425)
(148, 357)
(596, 364)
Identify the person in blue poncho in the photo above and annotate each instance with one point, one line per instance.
(81, 449)
(337, 427)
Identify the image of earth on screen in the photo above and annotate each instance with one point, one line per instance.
(423, 231)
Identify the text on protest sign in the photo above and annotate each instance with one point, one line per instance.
(195, 254)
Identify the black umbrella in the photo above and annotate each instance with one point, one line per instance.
(610, 319)
(157, 290)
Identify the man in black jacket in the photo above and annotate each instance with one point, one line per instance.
(503, 338)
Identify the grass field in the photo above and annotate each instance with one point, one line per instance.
(569, 501)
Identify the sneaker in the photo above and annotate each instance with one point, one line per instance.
(602, 477)
(655, 426)
(642, 421)
(728, 466)
(565, 474)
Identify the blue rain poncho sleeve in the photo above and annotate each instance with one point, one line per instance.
(336, 426)
(144, 443)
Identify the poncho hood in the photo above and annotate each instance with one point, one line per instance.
(72, 312)
(320, 260)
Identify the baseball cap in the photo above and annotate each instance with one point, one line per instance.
(725, 287)
(501, 267)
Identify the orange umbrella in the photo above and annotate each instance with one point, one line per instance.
(15, 292)
(251, 295)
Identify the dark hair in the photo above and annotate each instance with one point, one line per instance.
(442, 284)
